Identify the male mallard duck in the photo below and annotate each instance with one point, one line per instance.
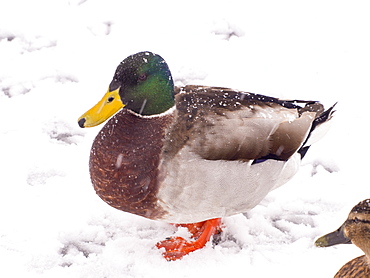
(356, 230)
(192, 154)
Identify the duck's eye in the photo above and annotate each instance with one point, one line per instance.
(356, 220)
(142, 77)
(110, 99)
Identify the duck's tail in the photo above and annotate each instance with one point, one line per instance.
(318, 129)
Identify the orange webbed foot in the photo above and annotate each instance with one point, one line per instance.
(177, 247)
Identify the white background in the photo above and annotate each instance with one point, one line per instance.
(57, 59)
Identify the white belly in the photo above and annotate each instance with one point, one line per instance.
(195, 190)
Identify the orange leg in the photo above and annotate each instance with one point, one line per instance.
(177, 247)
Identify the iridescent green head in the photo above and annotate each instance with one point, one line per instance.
(142, 83)
(145, 83)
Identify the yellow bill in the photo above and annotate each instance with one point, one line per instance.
(103, 110)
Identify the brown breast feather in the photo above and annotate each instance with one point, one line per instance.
(124, 162)
(356, 268)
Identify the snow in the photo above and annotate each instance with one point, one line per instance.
(57, 59)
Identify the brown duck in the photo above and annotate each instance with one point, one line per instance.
(356, 230)
(193, 154)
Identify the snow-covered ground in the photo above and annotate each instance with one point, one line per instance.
(57, 59)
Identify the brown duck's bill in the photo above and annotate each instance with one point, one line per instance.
(103, 110)
(334, 238)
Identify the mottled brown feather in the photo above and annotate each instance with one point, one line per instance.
(356, 268)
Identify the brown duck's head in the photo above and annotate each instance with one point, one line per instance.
(356, 229)
(142, 83)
